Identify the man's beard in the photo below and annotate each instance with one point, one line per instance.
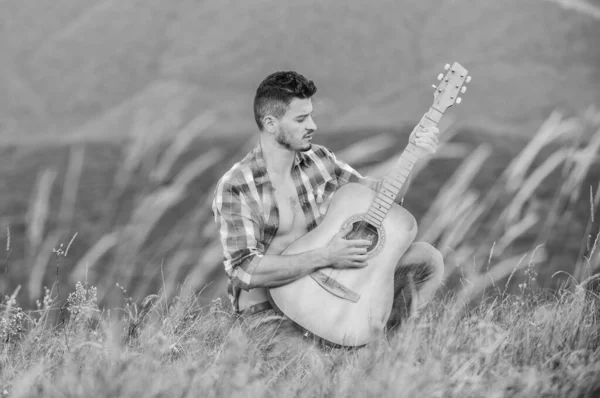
(284, 140)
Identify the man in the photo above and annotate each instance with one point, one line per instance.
(281, 190)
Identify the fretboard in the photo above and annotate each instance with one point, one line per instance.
(396, 178)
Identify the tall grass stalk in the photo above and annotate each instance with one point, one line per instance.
(590, 242)
(7, 252)
(73, 175)
(39, 209)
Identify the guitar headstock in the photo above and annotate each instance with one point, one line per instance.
(452, 84)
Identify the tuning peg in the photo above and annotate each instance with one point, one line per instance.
(434, 86)
(447, 66)
(458, 100)
(468, 79)
(440, 76)
(463, 89)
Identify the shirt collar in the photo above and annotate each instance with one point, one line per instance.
(300, 158)
(261, 165)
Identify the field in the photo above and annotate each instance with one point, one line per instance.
(511, 320)
(513, 346)
(114, 134)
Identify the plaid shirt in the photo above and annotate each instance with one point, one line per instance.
(246, 213)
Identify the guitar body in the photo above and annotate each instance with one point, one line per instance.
(321, 309)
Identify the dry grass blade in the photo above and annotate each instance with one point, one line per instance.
(587, 156)
(135, 150)
(456, 185)
(39, 208)
(482, 281)
(212, 254)
(581, 6)
(11, 300)
(589, 243)
(513, 210)
(434, 231)
(553, 128)
(5, 282)
(180, 259)
(516, 230)
(453, 231)
(463, 225)
(181, 142)
(42, 259)
(197, 167)
(147, 134)
(71, 185)
(93, 255)
(365, 149)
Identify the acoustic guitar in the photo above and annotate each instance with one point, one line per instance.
(350, 307)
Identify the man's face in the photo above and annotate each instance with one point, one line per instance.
(296, 127)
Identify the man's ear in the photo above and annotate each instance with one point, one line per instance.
(270, 124)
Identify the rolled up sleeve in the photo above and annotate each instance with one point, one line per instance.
(239, 233)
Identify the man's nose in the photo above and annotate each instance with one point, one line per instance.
(311, 124)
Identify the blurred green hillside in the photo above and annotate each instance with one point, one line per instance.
(82, 67)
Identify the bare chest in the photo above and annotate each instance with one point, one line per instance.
(292, 223)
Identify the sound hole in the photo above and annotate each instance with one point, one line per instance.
(363, 230)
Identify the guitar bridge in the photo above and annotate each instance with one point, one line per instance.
(334, 287)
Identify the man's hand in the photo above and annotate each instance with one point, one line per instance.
(425, 138)
(343, 253)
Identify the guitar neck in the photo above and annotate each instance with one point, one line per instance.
(412, 153)
(396, 178)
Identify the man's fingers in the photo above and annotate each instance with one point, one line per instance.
(424, 144)
(358, 257)
(425, 131)
(358, 243)
(361, 242)
(427, 138)
(344, 231)
(427, 145)
(431, 130)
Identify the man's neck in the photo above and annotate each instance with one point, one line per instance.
(279, 160)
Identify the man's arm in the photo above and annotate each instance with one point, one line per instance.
(245, 262)
(277, 270)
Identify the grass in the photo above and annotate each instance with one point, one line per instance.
(536, 343)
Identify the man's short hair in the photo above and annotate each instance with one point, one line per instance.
(277, 91)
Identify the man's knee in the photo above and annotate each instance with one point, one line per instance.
(431, 256)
